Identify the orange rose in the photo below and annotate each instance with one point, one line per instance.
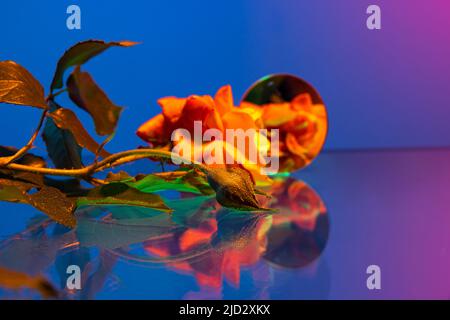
(302, 125)
(214, 113)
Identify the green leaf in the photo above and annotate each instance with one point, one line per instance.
(65, 119)
(79, 54)
(192, 211)
(117, 193)
(85, 93)
(18, 86)
(49, 200)
(62, 147)
(189, 181)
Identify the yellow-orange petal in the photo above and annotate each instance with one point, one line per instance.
(256, 114)
(277, 114)
(302, 101)
(199, 102)
(294, 147)
(214, 121)
(238, 120)
(193, 237)
(197, 108)
(152, 130)
(231, 268)
(224, 100)
(246, 104)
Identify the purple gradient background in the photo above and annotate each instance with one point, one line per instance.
(389, 208)
(383, 88)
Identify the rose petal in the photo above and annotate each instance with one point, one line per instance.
(277, 114)
(172, 107)
(153, 130)
(302, 101)
(214, 121)
(238, 120)
(224, 100)
(294, 147)
(197, 108)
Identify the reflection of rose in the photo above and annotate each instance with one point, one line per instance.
(297, 203)
(216, 264)
(292, 237)
(299, 230)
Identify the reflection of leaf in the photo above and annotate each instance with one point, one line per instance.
(118, 193)
(191, 211)
(138, 215)
(237, 227)
(79, 54)
(188, 182)
(61, 145)
(18, 86)
(123, 232)
(127, 214)
(49, 200)
(234, 187)
(97, 279)
(91, 98)
(33, 252)
(17, 280)
(65, 119)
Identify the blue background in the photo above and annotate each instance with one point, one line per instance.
(383, 88)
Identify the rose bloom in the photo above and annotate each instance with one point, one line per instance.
(302, 126)
(216, 112)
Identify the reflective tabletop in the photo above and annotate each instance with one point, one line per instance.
(343, 213)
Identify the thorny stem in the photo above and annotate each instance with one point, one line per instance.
(108, 162)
